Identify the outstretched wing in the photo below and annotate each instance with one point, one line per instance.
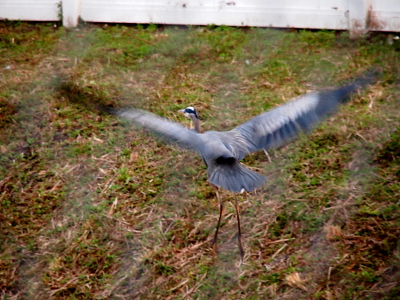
(167, 130)
(278, 126)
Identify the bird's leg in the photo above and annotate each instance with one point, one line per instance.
(239, 231)
(221, 210)
(268, 157)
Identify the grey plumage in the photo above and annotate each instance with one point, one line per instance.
(222, 151)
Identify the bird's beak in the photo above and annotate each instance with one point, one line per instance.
(182, 111)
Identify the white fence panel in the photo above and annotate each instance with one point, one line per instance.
(30, 10)
(358, 16)
(329, 14)
(385, 15)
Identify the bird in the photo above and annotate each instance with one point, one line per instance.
(222, 151)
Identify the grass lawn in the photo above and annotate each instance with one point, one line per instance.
(92, 208)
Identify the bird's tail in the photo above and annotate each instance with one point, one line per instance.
(235, 177)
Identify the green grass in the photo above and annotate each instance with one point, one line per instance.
(93, 208)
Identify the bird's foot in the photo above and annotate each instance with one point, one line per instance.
(215, 248)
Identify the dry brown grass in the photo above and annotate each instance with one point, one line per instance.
(92, 208)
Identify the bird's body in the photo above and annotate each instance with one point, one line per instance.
(222, 151)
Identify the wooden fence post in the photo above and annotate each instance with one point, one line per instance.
(359, 12)
(71, 10)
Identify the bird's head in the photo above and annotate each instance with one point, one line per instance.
(189, 112)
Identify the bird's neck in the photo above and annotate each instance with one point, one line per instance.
(196, 123)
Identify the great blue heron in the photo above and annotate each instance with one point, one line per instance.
(222, 151)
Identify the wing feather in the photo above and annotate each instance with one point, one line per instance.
(279, 126)
(166, 129)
